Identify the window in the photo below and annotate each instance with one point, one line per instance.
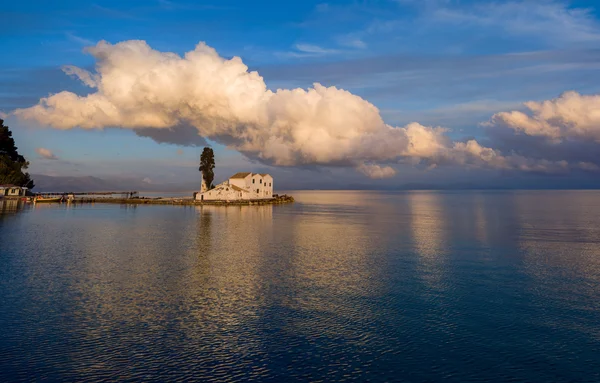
(261, 181)
(269, 184)
(253, 180)
(258, 191)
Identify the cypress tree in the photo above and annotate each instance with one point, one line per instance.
(207, 166)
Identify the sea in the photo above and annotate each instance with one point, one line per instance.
(340, 286)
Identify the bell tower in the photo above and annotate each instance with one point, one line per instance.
(203, 188)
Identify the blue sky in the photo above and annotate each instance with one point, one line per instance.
(442, 63)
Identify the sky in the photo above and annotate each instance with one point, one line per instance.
(340, 94)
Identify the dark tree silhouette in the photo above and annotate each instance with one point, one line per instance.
(207, 165)
(12, 163)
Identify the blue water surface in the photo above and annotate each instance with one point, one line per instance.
(465, 286)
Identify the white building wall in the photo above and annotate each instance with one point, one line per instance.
(260, 185)
(254, 185)
(243, 183)
(223, 192)
(268, 186)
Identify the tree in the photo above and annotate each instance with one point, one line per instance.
(207, 165)
(12, 163)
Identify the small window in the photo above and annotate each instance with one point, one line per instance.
(258, 191)
(269, 184)
(253, 181)
(261, 181)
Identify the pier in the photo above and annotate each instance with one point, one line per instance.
(188, 201)
(133, 198)
(93, 194)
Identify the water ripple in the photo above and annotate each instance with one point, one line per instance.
(341, 286)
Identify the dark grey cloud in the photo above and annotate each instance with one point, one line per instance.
(508, 140)
(184, 135)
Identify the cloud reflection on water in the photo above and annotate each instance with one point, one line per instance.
(336, 284)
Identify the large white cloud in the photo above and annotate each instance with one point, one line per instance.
(571, 116)
(566, 128)
(183, 99)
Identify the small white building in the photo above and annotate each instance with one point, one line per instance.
(240, 186)
(12, 191)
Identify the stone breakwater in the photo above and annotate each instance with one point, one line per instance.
(280, 199)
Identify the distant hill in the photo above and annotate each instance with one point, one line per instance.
(46, 183)
(75, 184)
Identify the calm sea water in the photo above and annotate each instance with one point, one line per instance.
(340, 286)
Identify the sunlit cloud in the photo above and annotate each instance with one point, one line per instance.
(183, 100)
(46, 154)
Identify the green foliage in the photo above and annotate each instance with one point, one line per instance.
(207, 166)
(12, 163)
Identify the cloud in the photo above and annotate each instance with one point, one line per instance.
(83, 75)
(571, 116)
(412, 71)
(460, 114)
(46, 154)
(564, 128)
(554, 21)
(183, 100)
(447, 24)
(351, 41)
(78, 39)
(309, 50)
(473, 154)
(376, 171)
(181, 134)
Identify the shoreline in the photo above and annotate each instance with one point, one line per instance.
(189, 202)
(282, 199)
